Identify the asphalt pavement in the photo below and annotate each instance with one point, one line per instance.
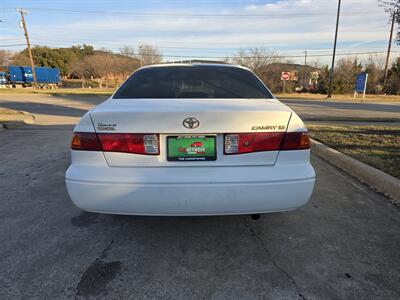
(343, 245)
(65, 110)
(310, 110)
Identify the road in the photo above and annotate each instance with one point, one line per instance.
(58, 111)
(343, 245)
(328, 110)
(64, 110)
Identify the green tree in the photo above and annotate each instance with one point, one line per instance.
(82, 50)
(393, 86)
(323, 80)
(61, 58)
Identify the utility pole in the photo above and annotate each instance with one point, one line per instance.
(388, 51)
(28, 44)
(334, 51)
(140, 52)
(305, 58)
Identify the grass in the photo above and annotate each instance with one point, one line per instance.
(377, 146)
(347, 98)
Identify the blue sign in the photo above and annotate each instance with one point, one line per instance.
(361, 82)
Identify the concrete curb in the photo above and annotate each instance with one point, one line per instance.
(382, 182)
(13, 121)
(13, 124)
(349, 119)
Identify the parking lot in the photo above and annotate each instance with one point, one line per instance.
(343, 245)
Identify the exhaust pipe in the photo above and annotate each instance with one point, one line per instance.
(255, 217)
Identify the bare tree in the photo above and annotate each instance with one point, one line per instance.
(124, 66)
(374, 66)
(377, 59)
(99, 66)
(5, 57)
(20, 59)
(392, 7)
(347, 69)
(255, 58)
(127, 51)
(79, 69)
(316, 63)
(105, 50)
(149, 55)
(105, 67)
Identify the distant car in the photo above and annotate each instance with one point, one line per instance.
(127, 153)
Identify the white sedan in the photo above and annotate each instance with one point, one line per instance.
(190, 139)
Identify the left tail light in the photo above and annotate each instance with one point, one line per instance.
(117, 142)
(85, 141)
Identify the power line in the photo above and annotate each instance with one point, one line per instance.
(246, 56)
(11, 39)
(192, 15)
(218, 49)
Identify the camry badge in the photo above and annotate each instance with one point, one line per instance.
(191, 123)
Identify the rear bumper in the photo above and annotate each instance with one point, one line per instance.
(184, 191)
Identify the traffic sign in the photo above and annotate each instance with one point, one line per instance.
(285, 76)
(361, 84)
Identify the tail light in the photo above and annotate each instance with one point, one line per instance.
(296, 141)
(85, 141)
(129, 143)
(117, 142)
(265, 141)
(252, 142)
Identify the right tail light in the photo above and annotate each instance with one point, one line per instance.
(295, 141)
(238, 143)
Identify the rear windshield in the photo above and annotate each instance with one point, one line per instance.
(193, 82)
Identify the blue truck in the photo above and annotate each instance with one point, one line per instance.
(21, 76)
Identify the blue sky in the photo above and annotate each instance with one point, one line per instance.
(204, 29)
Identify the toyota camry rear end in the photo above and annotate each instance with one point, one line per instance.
(195, 139)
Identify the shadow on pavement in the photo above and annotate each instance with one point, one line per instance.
(43, 108)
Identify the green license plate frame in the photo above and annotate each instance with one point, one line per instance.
(192, 148)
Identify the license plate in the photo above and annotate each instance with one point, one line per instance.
(191, 148)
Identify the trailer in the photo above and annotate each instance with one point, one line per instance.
(3, 79)
(22, 76)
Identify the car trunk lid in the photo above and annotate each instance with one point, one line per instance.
(166, 117)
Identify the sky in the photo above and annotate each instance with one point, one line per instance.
(184, 29)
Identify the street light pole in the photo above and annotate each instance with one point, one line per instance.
(28, 44)
(334, 51)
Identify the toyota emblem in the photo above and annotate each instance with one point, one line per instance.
(191, 123)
